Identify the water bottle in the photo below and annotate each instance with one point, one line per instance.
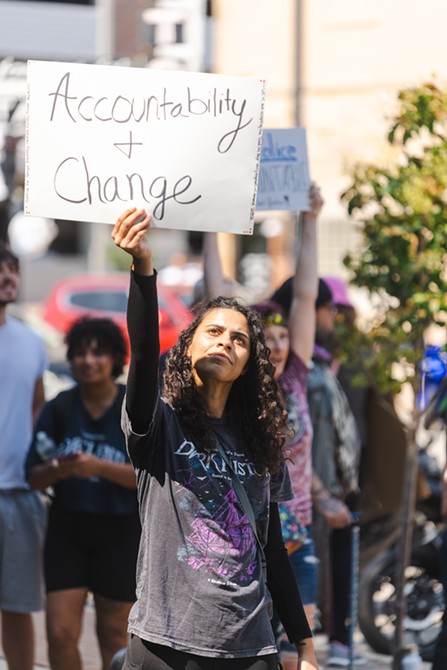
(45, 446)
(412, 661)
(433, 369)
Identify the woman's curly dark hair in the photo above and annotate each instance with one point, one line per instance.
(254, 407)
(105, 332)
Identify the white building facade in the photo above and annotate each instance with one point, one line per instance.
(334, 67)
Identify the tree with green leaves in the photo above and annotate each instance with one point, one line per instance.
(402, 208)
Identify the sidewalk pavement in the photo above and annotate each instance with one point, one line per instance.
(91, 658)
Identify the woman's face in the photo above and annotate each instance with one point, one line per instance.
(277, 340)
(91, 363)
(220, 347)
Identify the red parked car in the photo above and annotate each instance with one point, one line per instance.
(106, 296)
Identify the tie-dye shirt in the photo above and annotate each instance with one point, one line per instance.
(200, 583)
(298, 448)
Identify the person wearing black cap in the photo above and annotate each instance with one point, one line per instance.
(284, 294)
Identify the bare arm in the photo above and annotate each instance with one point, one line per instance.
(81, 465)
(44, 475)
(38, 399)
(85, 465)
(305, 282)
(118, 473)
(307, 659)
(334, 511)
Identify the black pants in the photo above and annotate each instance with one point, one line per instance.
(142, 655)
(341, 547)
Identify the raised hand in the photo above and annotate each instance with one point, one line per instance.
(316, 201)
(130, 234)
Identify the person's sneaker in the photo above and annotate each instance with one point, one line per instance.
(339, 656)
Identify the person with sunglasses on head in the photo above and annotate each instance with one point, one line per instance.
(335, 472)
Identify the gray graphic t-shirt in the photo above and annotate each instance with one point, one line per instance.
(200, 584)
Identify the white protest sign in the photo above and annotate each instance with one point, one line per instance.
(184, 145)
(284, 174)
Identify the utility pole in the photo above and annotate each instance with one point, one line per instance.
(105, 30)
(98, 233)
(401, 650)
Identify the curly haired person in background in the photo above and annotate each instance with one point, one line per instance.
(93, 533)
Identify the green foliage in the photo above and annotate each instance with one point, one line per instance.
(402, 210)
(118, 259)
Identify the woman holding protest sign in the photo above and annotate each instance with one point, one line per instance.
(210, 473)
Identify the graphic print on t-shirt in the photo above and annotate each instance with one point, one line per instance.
(220, 540)
(86, 442)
